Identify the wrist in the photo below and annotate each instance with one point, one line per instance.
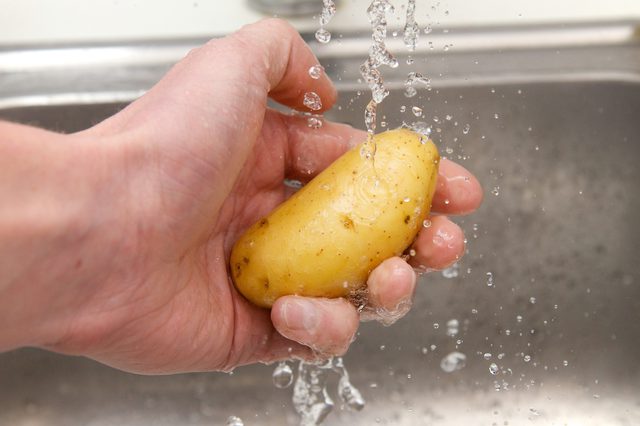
(50, 189)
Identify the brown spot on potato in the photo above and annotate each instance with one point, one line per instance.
(347, 222)
(264, 222)
(407, 219)
(265, 283)
(245, 260)
(238, 270)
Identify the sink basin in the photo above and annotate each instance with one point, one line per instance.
(549, 120)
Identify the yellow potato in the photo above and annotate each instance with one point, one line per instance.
(326, 239)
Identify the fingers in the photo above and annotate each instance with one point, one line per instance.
(391, 286)
(439, 245)
(325, 325)
(457, 190)
(309, 151)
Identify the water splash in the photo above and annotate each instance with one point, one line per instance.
(234, 421)
(493, 368)
(348, 393)
(370, 116)
(415, 79)
(378, 55)
(411, 29)
(310, 397)
(328, 10)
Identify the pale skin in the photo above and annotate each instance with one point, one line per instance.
(114, 241)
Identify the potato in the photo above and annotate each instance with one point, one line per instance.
(326, 239)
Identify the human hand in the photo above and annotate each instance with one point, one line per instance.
(185, 170)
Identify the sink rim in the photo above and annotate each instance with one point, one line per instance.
(118, 73)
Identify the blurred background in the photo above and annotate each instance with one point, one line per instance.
(45, 21)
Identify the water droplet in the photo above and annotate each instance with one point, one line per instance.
(282, 375)
(417, 111)
(466, 129)
(452, 327)
(565, 363)
(496, 191)
(519, 318)
(292, 183)
(315, 72)
(234, 421)
(312, 101)
(526, 358)
(451, 272)
(314, 122)
(323, 36)
(493, 368)
(487, 356)
(410, 92)
(489, 279)
(453, 362)
(532, 300)
(403, 108)
(436, 325)
(426, 223)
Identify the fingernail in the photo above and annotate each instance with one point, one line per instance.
(301, 315)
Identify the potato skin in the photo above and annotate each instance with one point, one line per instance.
(326, 239)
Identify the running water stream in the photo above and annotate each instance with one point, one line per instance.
(311, 399)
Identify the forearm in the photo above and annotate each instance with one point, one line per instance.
(45, 192)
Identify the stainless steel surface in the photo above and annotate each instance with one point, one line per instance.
(554, 117)
(287, 7)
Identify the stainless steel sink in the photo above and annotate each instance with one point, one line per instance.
(549, 120)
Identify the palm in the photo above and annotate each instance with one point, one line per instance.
(199, 272)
